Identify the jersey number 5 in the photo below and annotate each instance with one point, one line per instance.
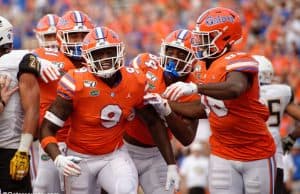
(274, 120)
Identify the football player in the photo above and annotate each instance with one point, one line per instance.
(70, 30)
(100, 101)
(242, 149)
(19, 119)
(280, 99)
(174, 64)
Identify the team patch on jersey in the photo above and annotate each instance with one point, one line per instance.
(94, 93)
(89, 84)
(45, 157)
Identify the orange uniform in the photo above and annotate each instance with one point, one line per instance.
(100, 112)
(149, 65)
(48, 90)
(238, 125)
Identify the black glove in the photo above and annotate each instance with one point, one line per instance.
(287, 143)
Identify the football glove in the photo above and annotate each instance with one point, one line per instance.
(178, 89)
(287, 143)
(19, 165)
(68, 165)
(48, 71)
(173, 178)
(160, 104)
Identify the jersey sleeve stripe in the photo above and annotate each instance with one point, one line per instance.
(135, 62)
(64, 95)
(69, 78)
(66, 88)
(248, 64)
(67, 83)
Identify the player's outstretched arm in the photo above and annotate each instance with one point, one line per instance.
(160, 136)
(30, 100)
(234, 85)
(183, 128)
(158, 131)
(54, 119)
(193, 110)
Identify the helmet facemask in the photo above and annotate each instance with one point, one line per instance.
(105, 60)
(204, 44)
(47, 39)
(71, 42)
(176, 60)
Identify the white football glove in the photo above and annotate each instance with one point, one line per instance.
(178, 89)
(173, 178)
(68, 165)
(48, 71)
(160, 104)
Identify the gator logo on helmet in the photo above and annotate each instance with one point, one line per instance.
(210, 20)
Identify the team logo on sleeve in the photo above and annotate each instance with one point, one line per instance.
(94, 93)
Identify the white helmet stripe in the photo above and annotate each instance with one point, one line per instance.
(182, 34)
(99, 33)
(78, 17)
(51, 20)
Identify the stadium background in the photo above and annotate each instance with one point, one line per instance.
(271, 27)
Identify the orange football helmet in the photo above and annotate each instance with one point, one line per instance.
(72, 27)
(178, 63)
(103, 52)
(45, 31)
(216, 30)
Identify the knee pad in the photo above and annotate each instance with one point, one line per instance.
(126, 186)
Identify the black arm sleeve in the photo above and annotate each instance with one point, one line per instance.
(29, 64)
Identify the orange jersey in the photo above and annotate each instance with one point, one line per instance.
(238, 125)
(149, 65)
(100, 112)
(48, 90)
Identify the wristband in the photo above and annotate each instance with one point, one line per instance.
(47, 140)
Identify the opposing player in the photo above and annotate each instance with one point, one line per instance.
(242, 149)
(19, 119)
(70, 29)
(280, 99)
(174, 64)
(100, 102)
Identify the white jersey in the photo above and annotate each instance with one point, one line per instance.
(11, 119)
(277, 97)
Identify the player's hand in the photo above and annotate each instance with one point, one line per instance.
(178, 89)
(4, 87)
(287, 143)
(19, 165)
(173, 178)
(68, 165)
(48, 72)
(160, 104)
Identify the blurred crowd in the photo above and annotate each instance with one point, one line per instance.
(271, 27)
